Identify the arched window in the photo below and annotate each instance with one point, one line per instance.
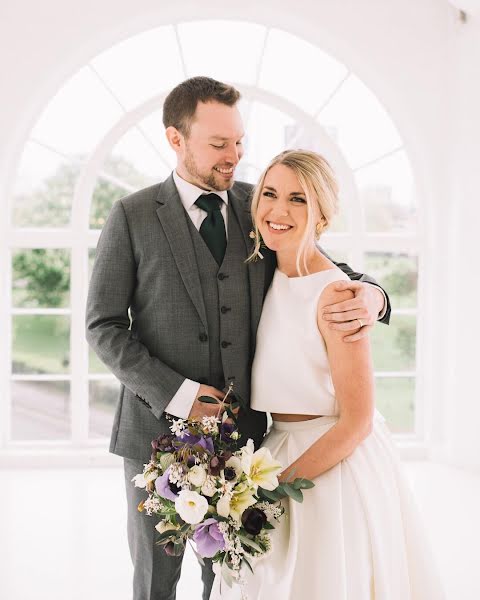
(101, 137)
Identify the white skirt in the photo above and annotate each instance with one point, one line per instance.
(356, 536)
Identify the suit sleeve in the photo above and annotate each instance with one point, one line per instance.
(354, 276)
(108, 332)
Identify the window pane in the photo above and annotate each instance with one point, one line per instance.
(394, 345)
(396, 401)
(40, 410)
(103, 402)
(397, 274)
(44, 187)
(133, 164)
(267, 133)
(216, 49)
(359, 123)
(41, 344)
(78, 116)
(41, 278)
(289, 68)
(141, 67)
(387, 192)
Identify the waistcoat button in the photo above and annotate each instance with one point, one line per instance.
(203, 337)
(226, 344)
(225, 309)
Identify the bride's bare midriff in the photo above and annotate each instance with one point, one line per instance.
(291, 418)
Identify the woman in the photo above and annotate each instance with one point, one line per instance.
(357, 534)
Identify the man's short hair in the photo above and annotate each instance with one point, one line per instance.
(181, 103)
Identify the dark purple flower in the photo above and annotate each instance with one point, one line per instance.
(208, 538)
(229, 473)
(226, 430)
(163, 443)
(253, 520)
(163, 487)
(173, 549)
(217, 464)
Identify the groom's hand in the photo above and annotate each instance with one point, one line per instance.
(202, 409)
(357, 315)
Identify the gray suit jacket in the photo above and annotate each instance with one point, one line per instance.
(145, 310)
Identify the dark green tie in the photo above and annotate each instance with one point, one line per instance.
(212, 228)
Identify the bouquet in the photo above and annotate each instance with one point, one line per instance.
(221, 498)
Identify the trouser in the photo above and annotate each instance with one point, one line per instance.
(155, 574)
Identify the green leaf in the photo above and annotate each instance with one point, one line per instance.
(268, 526)
(303, 484)
(248, 542)
(269, 495)
(294, 493)
(247, 563)
(208, 400)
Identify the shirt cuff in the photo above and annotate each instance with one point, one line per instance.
(181, 404)
(384, 309)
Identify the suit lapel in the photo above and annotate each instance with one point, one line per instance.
(240, 202)
(173, 219)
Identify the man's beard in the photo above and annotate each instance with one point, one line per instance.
(209, 181)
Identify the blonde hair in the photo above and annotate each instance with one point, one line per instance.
(320, 187)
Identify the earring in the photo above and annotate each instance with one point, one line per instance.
(318, 230)
(253, 236)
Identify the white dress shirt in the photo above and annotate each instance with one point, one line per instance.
(181, 404)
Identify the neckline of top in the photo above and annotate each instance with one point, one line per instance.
(307, 276)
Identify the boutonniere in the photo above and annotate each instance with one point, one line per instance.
(256, 236)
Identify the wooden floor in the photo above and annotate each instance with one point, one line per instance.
(62, 533)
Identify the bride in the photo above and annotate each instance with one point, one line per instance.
(357, 535)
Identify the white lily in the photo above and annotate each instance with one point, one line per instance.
(260, 468)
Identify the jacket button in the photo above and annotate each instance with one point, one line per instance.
(226, 344)
(222, 276)
(224, 309)
(203, 337)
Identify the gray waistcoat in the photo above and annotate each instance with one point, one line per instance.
(227, 302)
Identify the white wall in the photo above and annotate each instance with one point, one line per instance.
(414, 54)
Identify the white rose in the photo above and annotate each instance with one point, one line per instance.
(197, 476)
(209, 487)
(191, 506)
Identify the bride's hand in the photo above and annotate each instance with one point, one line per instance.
(358, 314)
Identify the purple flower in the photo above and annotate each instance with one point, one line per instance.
(208, 538)
(226, 430)
(193, 440)
(163, 487)
(163, 443)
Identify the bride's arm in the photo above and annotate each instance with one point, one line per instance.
(352, 375)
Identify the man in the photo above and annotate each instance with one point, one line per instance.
(174, 255)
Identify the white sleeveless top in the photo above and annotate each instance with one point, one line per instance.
(291, 372)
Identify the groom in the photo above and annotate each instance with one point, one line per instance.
(173, 309)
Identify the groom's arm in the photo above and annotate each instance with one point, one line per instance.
(386, 309)
(370, 304)
(112, 286)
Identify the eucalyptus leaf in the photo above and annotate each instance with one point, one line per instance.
(294, 493)
(303, 484)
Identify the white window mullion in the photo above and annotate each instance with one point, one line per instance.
(78, 345)
(5, 347)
